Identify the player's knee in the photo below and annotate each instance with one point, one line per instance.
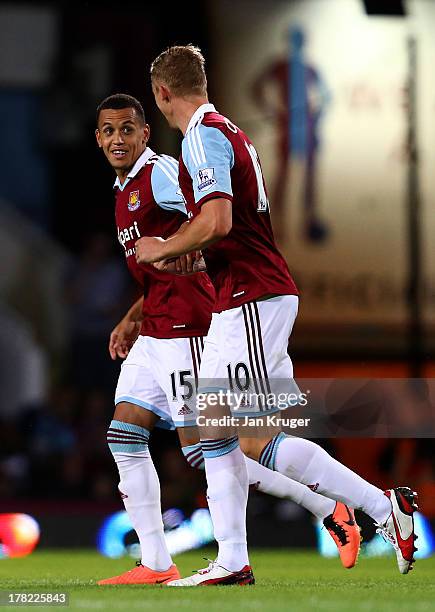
(194, 456)
(128, 412)
(251, 447)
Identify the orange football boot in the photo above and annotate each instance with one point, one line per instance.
(345, 532)
(143, 575)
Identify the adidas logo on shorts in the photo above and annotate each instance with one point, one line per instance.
(184, 411)
(313, 487)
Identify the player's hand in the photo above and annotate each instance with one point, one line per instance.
(122, 338)
(148, 249)
(199, 264)
(185, 264)
(175, 265)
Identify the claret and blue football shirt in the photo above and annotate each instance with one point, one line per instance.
(219, 161)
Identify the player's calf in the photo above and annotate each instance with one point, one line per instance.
(253, 447)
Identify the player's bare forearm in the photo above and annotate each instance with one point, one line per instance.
(135, 313)
(212, 224)
(126, 332)
(198, 235)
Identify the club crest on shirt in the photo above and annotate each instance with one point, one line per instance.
(133, 200)
(205, 179)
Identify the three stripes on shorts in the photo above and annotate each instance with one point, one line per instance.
(256, 357)
(196, 349)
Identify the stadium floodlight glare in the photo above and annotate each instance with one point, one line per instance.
(189, 534)
(19, 534)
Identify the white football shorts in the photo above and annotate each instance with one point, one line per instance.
(160, 375)
(245, 351)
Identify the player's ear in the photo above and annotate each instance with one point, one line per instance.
(146, 132)
(97, 136)
(165, 93)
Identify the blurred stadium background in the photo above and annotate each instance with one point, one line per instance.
(340, 102)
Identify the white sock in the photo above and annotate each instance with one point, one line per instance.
(310, 464)
(278, 485)
(227, 495)
(140, 483)
(271, 483)
(140, 489)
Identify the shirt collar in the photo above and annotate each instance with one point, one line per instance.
(140, 163)
(199, 114)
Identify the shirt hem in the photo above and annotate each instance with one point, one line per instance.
(221, 307)
(176, 333)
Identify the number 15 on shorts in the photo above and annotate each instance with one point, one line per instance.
(180, 386)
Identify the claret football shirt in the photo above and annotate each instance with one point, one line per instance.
(149, 203)
(219, 161)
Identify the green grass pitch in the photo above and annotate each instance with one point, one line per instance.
(286, 580)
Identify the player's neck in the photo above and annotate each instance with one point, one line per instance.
(122, 174)
(187, 108)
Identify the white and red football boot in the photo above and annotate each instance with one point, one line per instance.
(398, 529)
(216, 575)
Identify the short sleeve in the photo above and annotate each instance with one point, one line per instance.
(164, 183)
(209, 157)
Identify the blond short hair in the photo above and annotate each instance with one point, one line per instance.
(181, 68)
